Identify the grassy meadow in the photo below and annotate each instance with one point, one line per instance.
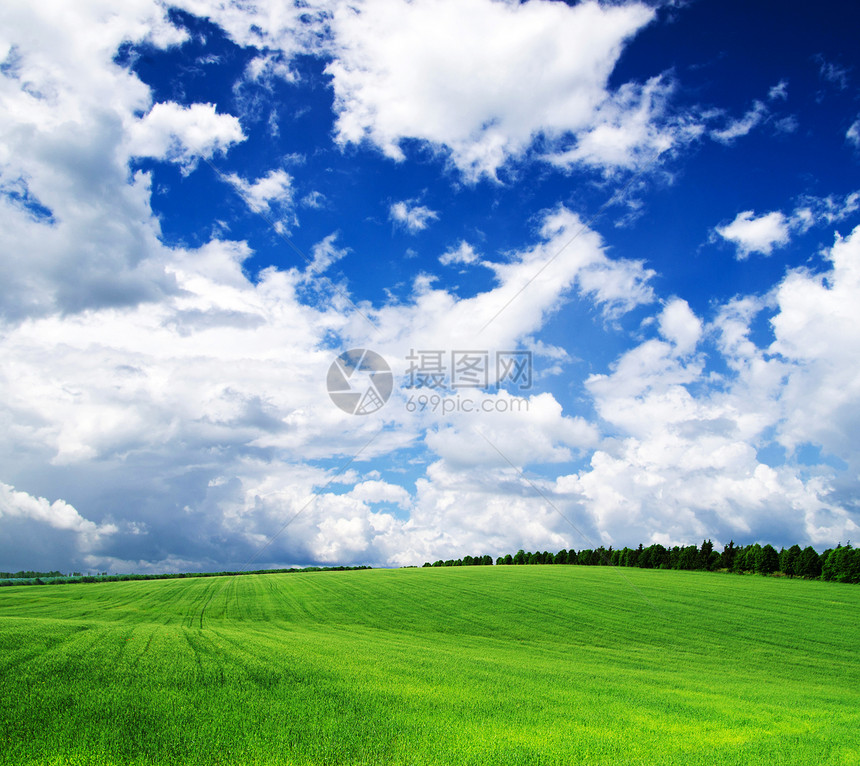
(460, 665)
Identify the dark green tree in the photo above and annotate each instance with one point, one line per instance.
(727, 557)
(689, 557)
(842, 564)
(740, 561)
(809, 563)
(789, 558)
(766, 560)
(704, 557)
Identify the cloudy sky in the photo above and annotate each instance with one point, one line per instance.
(618, 244)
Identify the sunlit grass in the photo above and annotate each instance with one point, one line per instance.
(483, 665)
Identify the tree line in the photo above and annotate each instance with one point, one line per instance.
(29, 574)
(58, 578)
(839, 564)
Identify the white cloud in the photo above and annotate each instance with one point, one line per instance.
(684, 459)
(531, 284)
(618, 286)
(238, 376)
(680, 326)
(751, 234)
(412, 217)
(534, 433)
(542, 67)
(269, 65)
(23, 515)
(375, 491)
(314, 200)
(786, 124)
(853, 133)
(760, 234)
(464, 253)
(825, 211)
(832, 73)
(742, 126)
(629, 130)
(227, 375)
(67, 110)
(778, 91)
(817, 327)
(182, 134)
(325, 253)
(492, 511)
(58, 514)
(290, 28)
(270, 194)
(276, 186)
(540, 72)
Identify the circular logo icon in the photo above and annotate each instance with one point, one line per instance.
(359, 381)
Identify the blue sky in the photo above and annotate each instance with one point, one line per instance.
(203, 204)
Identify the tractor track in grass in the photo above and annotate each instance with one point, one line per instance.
(215, 588)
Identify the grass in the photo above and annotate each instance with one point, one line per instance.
(463, 665)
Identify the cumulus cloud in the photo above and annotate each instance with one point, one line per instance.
(684, 458)
(183, 134)
(816, 327)
(58, 514)
(313, 200)
(279, 30)
(751, 234)
(411, 216)
(629, 130)
(680, 326)
(68, 111)
(542, 68)
(274, 187)
(464, 254)
(530, 285)
(227, 375)
(135, 390)
(761, 234)
(541, 72)
(54, 527)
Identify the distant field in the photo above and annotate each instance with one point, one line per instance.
(463, 665)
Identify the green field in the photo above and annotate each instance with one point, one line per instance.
(461, 665)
